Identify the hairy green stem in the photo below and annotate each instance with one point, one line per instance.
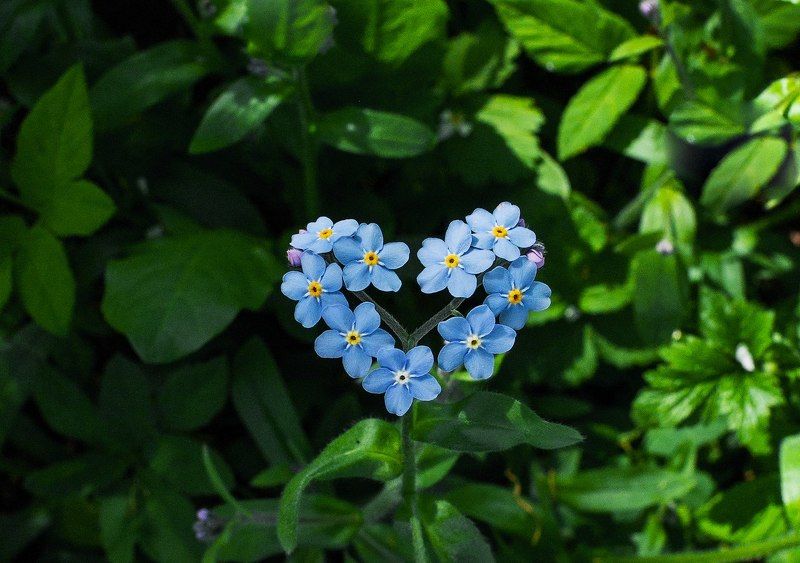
(305, 109)
(409, 487)
(444, 313)
(387, 317)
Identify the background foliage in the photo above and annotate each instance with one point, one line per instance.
(155, 158)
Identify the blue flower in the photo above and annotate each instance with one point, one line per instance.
(367, 260)
(355, 337)
(473, 341)
(500, 231)
(403, 377)
(451, 262)
(322, 233)
(513, 293)
(315, 288)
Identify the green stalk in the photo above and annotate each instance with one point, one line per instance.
(409, 488)
(444, 313)
(305, 109)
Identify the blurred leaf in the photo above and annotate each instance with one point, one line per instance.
(369, 449)
(671, 213)
(780, 20)
(589, 220)
(639, 138)
(485, 422)
(790, 478)
(166, 533)
(174, 295)
(598, 299)
(596, 107)
(652, 539)
(699, 123)
(634, 47)
(517, 121)
(126, 403)
(667, 441)
(19, 22)
(66, 408)
(178, 451)
(82, 475)
(475, 62)
(452, 536)
(551, 178)
(6, 277)
(291, 31)
(18, 529)
(496, 506)
(119, 528)
(747, 512)
(660, 295)
(76, 208)
(272, 477)
(782, 96)
(367, 131)
(193, 394)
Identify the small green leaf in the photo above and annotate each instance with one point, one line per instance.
(603, 298)
(367, 131)
(551, 177)
(452, 536)
(292, 31)
(475, 62)
(639, 138)
(218, 482)
(76, 208)
(671, 213)
(166, 533)
(486, 422)
(125, 402)
(170, 452)
(660, 295)
(596, 107)
(699, 123)
(497, 506)
(516, 120)
(193, 394)
(66, 408)
(790, 478)
(369, 449)
(119, 528)
(635, 47)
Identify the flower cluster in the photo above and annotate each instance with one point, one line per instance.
(494, 250)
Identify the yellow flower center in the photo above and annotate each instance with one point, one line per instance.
(353, 338)
(325, 233)
(515, 297)
(451, 260)
(315, 289)
(500, 231)
(473, 341)
(371, 258)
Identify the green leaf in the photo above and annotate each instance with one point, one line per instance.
(563, 35)
(119, 528)
(597, 106)
(218, 482)
(238, 110)
(166, 533)
(660, 295)
(475, 62)
(193, 394)
(178, 451)
(82, 474)
(730, 322)
(639, 138)
(603, 298)
(76, 208)
(621, 489)
(66, 408)
(264, 405)
(54, 144)
(743, 172)
(486, 422)
(125, 402)
(291, 31)
(18, 529)
(145, 79)
(369, 449)
(499, 507)
(790, 478)
(699, 123)
(174, 295)
(367, 131)
(452, 536)
(6, 277)
(783, 97)
(667, 442)
(551, 177)
(45, 281)
(635, 47)
(516, 120)
(671, 213)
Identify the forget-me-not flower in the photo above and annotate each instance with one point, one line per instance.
(403, 377)
(368, 260)
(500, 231)
(355, 337)
(513, 293)
(322, 233)
(451, 262)
(315, 288)
(474, 341)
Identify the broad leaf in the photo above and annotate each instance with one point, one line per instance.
(288, 30)
(119, 528)
(790, 477)
(699, 123)
(479, 61)
(452, 536)
(125, 402)
(660, 295)
(516, 120)
(66, 408)
(193, 394)
(497, 506)
(76, 208)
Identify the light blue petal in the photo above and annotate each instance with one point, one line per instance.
(479, 364)
(344, 228)
(515, 316)
(458, 237)
(506, 214)
(294, 285)
(497, 302)
(302, 240)
(433, 251)
(367, 318)
(377, 341)
(371, 237)
(433, 278)
(522, 237)
(500, 340)
(394, 254)
(419, 360)
(385, 280)
(332, 278)
(330, 344)
(537, 298)
(398, 399)
(461, 284)
(452, 355)
(356, 276)
(308, 312)
(477, 261)
(347, 250)
(505, 249)
(333, 298)
(523, 272)
(480, 221)
(455, 329)
(481, 320)
(424, 388)
(497, 280)
(313, 265)
(378, 381)
(338, 317)
(483, 240)
(321, 246)
(392, 358)
(356, 362)
(320, 224)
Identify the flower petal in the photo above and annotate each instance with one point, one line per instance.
(347, 250)
(500, 340)
(344, 228)
(367, 318)
(433, 251)
(377, 341)
(330, 344)
(523, 272)
(398, 399)
(458, 237)
(338, 317)
(537, 298)
(483, 240)
(356, 276)
(461, 284)
(320, 246)
(384, 279)
(313, 265)
(371, 236)
(477, 261)
(497, 302)
(480, 221)
(308, 311)
(320, 224)
(497, 280)
(332, 278)
(514, 316)
(522, 237)
(454, 329)
(302, 240)
(394, 254)
(378, 381)
(419, 360)
(451, 356)
(424, 388)
(505, 249)
(433, 278)
(479, 363)
(506, 214)
(294, 285)
(481, 320)
(356, 362)
(333, 298)
(392, 358)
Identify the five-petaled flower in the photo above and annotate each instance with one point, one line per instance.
(403, 377)
(322, 233)
(500, 232)
(368, 260)
(315, 288)
(513, 293)
(451, 262)
(473, 341)
(355, 337)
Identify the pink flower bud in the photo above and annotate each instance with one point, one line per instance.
(293, 255)
(536, 255)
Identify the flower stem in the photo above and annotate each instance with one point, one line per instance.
(409, 487)
(387, 317)
(444, 313)
(305, 109)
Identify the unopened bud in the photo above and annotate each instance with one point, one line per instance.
(536, 255)
(293, 256)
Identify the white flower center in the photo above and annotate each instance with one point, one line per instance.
(402, 376)
(473, 341)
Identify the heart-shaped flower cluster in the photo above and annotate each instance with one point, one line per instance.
(332, 255)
